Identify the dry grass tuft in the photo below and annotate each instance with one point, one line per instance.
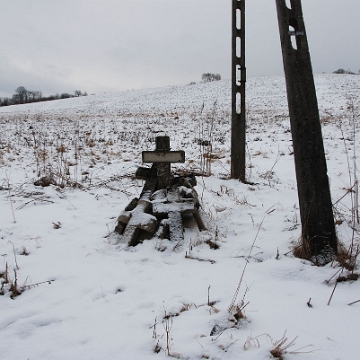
(348, 277)
(254, 341)
(347, 258)
(302, 250)
(9, 285)
(282, 346)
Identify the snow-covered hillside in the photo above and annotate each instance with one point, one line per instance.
(82, 297)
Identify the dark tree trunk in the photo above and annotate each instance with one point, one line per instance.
(318, 229)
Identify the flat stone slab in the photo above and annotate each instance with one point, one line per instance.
(181, 207)
(175, 226)
(139, 220)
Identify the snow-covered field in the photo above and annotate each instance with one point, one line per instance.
(82, 297)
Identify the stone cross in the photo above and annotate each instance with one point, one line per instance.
(163, 157)
(163, 201)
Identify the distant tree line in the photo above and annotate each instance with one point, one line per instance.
(24, 96)
(208, 77)
(343, 71)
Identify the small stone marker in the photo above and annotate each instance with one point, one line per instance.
(163, 157)
(139, 219)
(174, 206)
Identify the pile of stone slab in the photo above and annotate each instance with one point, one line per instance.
(158, 213)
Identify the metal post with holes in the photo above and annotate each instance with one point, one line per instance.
(238, 79)
(318, 229)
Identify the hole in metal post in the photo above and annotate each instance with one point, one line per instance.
(238, 19)
(292, 33)
(238, 75)
(238, 103)
(288, 4)
(238, 47)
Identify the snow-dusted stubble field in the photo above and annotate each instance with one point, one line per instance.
(68, 292)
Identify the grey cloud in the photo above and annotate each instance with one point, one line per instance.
(114, 45)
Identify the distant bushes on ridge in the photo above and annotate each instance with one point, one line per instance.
(208, 77)
(24, 96)
(343, 71)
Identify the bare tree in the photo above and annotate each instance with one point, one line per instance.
(22, 94)
(37, 95)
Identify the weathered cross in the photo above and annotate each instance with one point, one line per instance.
(160, 210)
(163, 157)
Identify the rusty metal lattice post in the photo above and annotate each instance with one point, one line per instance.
(238, 79)
(318, 229)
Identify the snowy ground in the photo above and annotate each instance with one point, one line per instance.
(85, 298)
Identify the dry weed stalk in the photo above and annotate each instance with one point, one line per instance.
(168, 323)
(281, 347)
(302, 249)
(232, 306)
(347, 260)
(8, 285)
(206, 136)
(354, 302)
(14, 288)
(354, 116)
(254, 341)
(353, 189)
(10, 199)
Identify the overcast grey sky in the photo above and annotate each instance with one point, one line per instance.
(109, 45)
